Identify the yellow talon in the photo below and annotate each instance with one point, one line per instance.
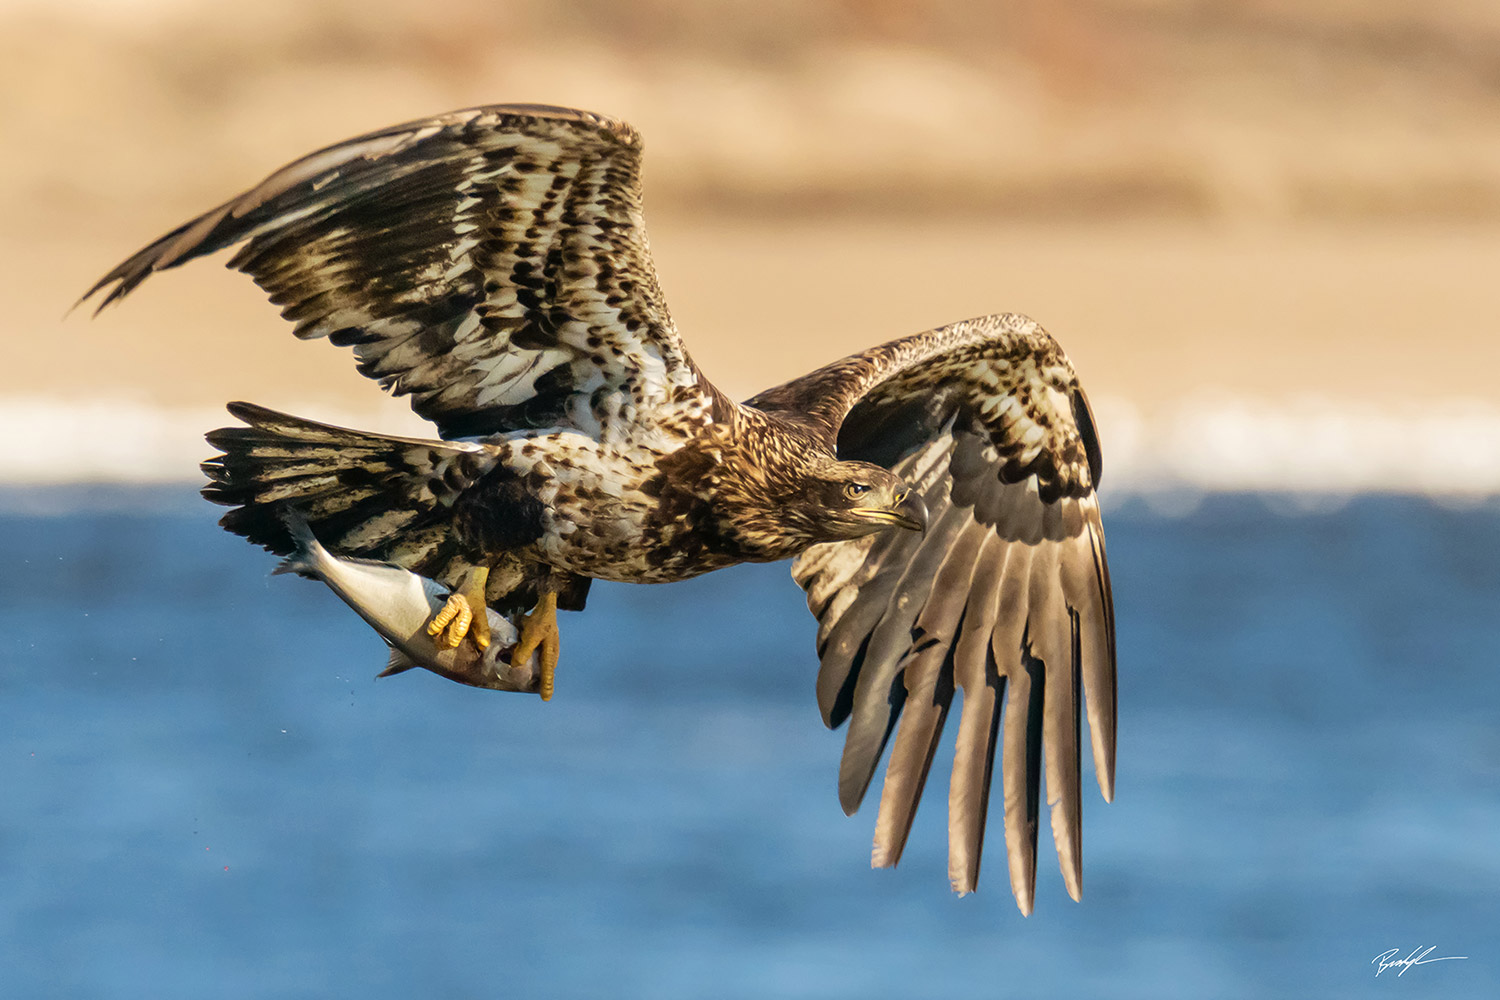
(539, 630)
(464, 612)
(444, 616)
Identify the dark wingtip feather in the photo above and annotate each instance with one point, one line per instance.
(862, 752)
(928, 679)
(1083, 415)
(973, 773)
(1021, 729)
(129, 273)
(837, 679)
(125, 284)
(1060, 738)
(1100, 676)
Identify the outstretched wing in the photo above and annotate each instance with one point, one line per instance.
(491, 263)
(1005, 598)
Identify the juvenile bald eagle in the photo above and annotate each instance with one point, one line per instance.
(937, 492)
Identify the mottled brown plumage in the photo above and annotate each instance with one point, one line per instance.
(492, 264)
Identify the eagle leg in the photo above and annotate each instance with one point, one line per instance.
(539, 629)
(465, 612)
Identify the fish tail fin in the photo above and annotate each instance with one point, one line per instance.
(398, 663)
(303, 559)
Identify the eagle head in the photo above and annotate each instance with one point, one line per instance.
(850, 499)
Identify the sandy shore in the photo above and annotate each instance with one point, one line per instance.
(1311, 357)
(1151, 313)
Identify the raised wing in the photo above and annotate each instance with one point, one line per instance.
(1005, 598)
(491, 263)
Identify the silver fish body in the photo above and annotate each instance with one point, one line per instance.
(398, 604)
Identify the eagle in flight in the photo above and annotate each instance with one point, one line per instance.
(936, 492)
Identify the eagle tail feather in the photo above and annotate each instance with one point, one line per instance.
(367, 495)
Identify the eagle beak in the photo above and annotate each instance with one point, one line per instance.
(907, 511)
(911, 512)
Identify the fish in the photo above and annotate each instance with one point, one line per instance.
(398, 604)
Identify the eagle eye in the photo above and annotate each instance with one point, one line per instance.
(856, 490)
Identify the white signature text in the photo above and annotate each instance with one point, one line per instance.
(1388, 960)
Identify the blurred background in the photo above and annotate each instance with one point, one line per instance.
(1252, 214)
(1268, 235)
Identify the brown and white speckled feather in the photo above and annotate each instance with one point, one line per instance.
(1005, 599)
(490, 262)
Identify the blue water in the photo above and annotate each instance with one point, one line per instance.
(207, 794)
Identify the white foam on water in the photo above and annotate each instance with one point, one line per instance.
(46, 441)
(1307, 447)
(1447, 448)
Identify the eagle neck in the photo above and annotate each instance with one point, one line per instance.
(760, 487)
